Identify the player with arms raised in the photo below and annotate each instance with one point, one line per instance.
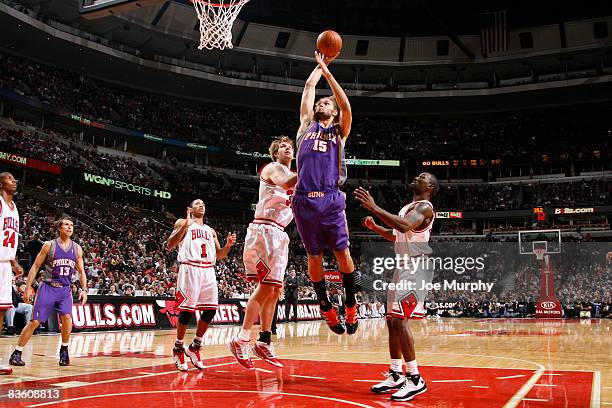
(61, 258)
(318, 204)
(409, 231)
(266, 252)
(9, 237)
(196, 286)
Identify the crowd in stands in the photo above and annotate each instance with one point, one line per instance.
(532, 135)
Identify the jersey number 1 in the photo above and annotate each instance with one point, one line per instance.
(204, 254)
(9, 239)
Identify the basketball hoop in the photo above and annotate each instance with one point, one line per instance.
(539, 253)
(216, 21)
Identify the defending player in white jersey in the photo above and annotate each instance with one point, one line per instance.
(196, 286)
(410, 232)
(266, 248)
(9, 236)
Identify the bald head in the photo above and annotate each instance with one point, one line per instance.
(8, 183)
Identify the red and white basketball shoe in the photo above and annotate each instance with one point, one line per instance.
(266, 352)
(240, 349)
(193, 352)
(179, 358)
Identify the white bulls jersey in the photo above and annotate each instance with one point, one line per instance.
(413, 243)
(9, 230)
(198, 245)
(274, 202)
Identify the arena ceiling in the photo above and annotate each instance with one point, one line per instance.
(414, 18)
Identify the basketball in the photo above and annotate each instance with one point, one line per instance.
(329, 43)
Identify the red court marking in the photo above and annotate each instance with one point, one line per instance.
(238, 387)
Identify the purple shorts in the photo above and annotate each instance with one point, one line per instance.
(321, 221)
(49, 298)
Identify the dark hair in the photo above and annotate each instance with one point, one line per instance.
(194, 200)
(61, 220)
(275, 145)
(335, 102)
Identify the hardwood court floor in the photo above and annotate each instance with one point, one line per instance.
(466, 363)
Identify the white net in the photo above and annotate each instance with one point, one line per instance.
(216, 21)
(539, 253)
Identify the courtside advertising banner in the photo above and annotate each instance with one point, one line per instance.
(102, 313)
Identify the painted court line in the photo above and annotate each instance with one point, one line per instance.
(70, 384)
(449, 381)
(535, 399)
(478, 386)
(510, 376)
(90, 397)
(370, 381)
(596, 390)
(306, 376)
(544, 385)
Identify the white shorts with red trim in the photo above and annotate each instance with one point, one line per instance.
(266, 252)
(6, 285)
(410, 303)
(196, 287)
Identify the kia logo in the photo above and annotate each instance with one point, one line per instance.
(548, 305)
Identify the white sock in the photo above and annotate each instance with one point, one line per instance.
(64, 344)
(396, 365)
(412, 368)
(199, 339)
(178, 342)
(19, 348)
(244, 335)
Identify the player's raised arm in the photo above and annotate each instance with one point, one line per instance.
(38, 263)
(308, 97)
(344, 106)
(180, 230)
(279, 176)
(80, 267)
(222, 252)
(411, 221)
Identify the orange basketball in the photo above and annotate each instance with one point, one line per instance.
(329, 43)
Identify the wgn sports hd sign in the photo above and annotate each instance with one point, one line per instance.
(125, 186)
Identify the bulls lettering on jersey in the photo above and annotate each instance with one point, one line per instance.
(9, 234)
(198, 245)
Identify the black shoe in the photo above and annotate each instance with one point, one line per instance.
(64, 357)
(351, 321)
(331, 318)
(16, 359)
(10, 331)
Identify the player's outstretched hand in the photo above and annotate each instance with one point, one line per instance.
(189, 220)
(231, 239)
(83, 296)
(364, 198)
(368, 222)
(323, 61)
(17, 269)
(28, 294)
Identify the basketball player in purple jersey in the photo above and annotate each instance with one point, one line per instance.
(318, 204)
(61, 257)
